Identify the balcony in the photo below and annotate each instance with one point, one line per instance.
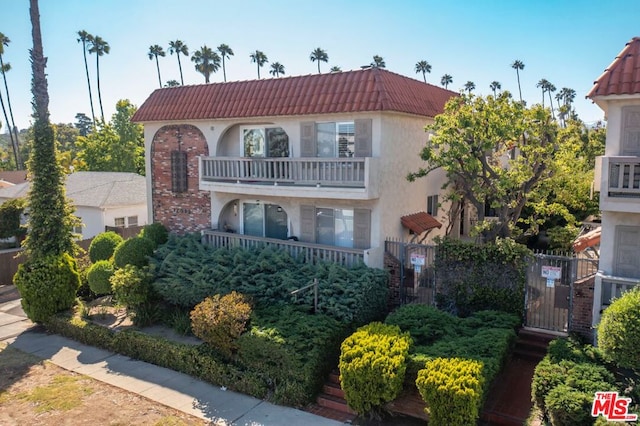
(309, 252)
(607, 288)
(339, 178)
(620, 188)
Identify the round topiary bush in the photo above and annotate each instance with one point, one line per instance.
(133, 251)
(47, 285)
(98, 277)
(156, 232)
(131, 286)
(619, 331)
(103, 246)
(220, 320)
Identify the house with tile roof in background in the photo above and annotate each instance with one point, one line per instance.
(617, 92)
(314, 164)
(102, 200)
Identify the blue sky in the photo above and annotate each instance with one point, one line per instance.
(567, 42)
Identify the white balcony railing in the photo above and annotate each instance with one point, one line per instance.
(309, 252)
(624, 176)
(346, 172)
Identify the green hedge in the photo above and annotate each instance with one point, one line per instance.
(156, 232)
(98, 277)
(619, 331)
(452, 389)
(372, 366)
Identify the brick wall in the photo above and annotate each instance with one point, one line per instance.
(392, 265)
(180, 212)
(582, 308)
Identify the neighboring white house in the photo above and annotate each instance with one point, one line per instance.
(316, 164)
(101, 199)
(617, 92)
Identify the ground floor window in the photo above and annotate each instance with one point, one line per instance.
(334, 227)
(264, 220)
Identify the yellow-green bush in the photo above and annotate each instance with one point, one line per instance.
(619, 331)
(220, 320)
(103, 246)
(373, 361)
(452, 389)
(98, 277)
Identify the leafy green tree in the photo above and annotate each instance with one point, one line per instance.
(423, 67)
(13, 130)
(378, 62)
(83, 124)
(518, 66)
(207, 61)
(225, 52)
(155, 51)
(259, 58)
(472, 143)
(179, 48)
(86, 38)
(446, 80)
(494, 86)
(100, 47)
(10, 212)
(276, 69)
(319, 55)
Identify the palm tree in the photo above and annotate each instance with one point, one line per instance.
(319, 55)
(14, 145)
(99, 47)
(518, 66)
(550, 89)
(469, 86)
(13, 130)
(172, 83)
(378, 62)
(225, 52)
(543, 84)
(259, 58)
(335, 68)
(446, 80)
(85, 38)
(495, 85)
(424, 67)
(276, 69)
(207, 61)
(154, 52)
(178, 47)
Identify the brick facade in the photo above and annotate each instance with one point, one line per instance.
(392, 265)
(582, 313)
(185, 212)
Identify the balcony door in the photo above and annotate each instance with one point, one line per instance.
(261, 142)
(265, 220)
(627, 247)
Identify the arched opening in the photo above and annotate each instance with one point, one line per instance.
(255, 218)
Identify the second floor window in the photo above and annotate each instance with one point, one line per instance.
(432, 205)
(265, 142)
(335, 139)
(178, 171)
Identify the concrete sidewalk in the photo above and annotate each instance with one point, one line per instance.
(168, 387)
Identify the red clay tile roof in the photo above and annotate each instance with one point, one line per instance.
(371, 89)
(420, 222)
(622, 77)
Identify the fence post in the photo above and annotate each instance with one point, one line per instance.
(403, 298)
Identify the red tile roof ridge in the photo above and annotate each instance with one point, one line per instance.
(622, 76)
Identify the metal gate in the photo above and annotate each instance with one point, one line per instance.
(417, 274)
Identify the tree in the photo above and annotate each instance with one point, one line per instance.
(469, 86)
(471, 142)
(335, 68)
(86, 38)
(378, 62)
(259, 58)
(154, 52)
(14, 143)
(276, 69)
(495, 85)
(424, 68)
(172, 83)
(100, 47)
(225, 53)
(13, 130)
(178, 47)
(543, 84)
(518, 66)
(83, 124)
(446, 80)
(319, 55)
(207, 61)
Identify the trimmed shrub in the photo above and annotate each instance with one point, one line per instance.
(103, 246)
(134, 251)
(156, 232)
(452, 389)
(546, 376)
(619, 331)
(131, 286)
(47, 285)
(568, 406)
(372, 366)
(98, 277)
(426, 324)
(220, 320)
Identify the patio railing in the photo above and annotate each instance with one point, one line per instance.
(624, 176)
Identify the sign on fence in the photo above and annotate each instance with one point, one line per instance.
(552, 272)
(417, 259)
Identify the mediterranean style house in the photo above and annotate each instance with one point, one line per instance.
(617, 92)
(315, 164)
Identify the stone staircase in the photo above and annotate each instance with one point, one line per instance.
(331, 403)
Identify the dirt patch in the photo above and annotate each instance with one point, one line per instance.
(27, 382)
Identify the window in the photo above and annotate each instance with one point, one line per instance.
(132, 221)
(432, 205)
(335, 139)
(77, 229)
(265, 142)
(178, 171)
(334, 227)
(119, 222)
(264, 220)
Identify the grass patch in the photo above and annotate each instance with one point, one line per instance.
(64, 393)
